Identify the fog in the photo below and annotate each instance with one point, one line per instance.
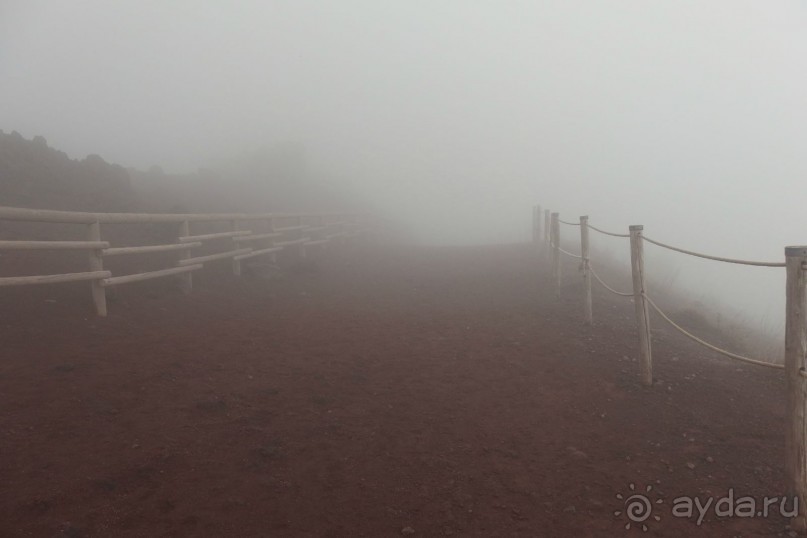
(455, 117)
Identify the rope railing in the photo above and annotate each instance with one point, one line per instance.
(569, 223)
(606, 286)
(607, 233)
(637, 269)
(705, 343)
(715, 258)
(795, 334)
(569, 253)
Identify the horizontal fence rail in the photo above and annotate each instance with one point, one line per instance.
(53, 245)
(147, 249)
(53, 279)
(299, 231)
(795, 265)
(50, 215)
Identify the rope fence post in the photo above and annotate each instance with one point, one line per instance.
(547, 227)
(185, 279)
(97, 264)
(586, 266)
(795, 381)
(556, 252)
(640, 303)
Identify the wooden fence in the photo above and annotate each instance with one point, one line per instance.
(795, 265)
(297, 231)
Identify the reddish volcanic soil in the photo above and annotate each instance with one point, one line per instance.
(444, 391)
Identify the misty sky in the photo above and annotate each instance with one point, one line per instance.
(685, 116)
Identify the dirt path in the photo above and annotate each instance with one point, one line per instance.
(444, 390)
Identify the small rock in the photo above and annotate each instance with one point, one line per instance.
(691, 465)
(570, 509)
(407, 531)
(576, 453)
(710, 459)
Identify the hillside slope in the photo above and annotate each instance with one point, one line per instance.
(32, 174)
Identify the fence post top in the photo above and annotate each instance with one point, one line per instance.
(636, 227)
(555, 214)
(584, 217)
(798, 251)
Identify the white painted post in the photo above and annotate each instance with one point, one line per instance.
(795, 380)
(556, 252)
(185, 279)
(97, 264)
(640, 304)
(547, 227)
(586, 265)
(236, 245)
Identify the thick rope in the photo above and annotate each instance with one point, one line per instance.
(608, 233)
(716, 258)
(569, 223)
(706, 344)
(570, 254)
(606, 286)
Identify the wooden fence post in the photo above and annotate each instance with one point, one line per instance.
(556, 252)
(97, 264)
(185, 279)
(584, 248)
(640, 304)
(547, 227)
(795, 380)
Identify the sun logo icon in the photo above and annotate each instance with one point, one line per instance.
(637, 507)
